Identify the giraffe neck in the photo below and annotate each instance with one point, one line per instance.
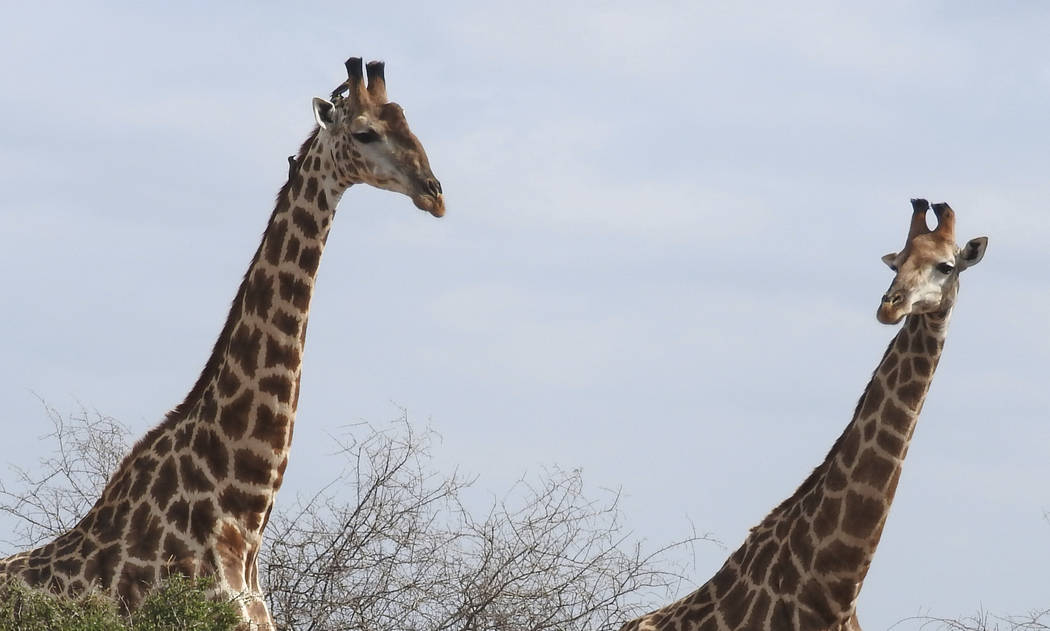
(803, 565)
(194, 494)
(835, 519)
(237, 420)
(863, 468)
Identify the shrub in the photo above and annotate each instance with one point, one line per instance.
(180, 604)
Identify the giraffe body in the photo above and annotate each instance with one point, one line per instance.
(194, 495)
(802, 567)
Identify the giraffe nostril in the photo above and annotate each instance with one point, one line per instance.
(891, 299)
(433, 187)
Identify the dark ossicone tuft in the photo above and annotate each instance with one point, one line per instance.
(353, 68)
(375, 71)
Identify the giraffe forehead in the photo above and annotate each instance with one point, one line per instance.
(928, 249)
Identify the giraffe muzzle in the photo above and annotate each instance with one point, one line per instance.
(890, 313)
(892, 308)
(435, 205)
(431, 199)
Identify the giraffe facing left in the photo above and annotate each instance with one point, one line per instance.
(193, 496)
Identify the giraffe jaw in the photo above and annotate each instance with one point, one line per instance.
(888, 315)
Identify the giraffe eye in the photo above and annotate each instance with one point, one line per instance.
(945, 268)
(366, 137)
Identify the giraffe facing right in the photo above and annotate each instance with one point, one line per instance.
(194, 495)
(802, 567)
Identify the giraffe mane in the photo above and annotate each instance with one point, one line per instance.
(213, 364)
(814, 478)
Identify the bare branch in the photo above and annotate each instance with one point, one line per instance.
(396, 543)
(1035, 620)
(52, 497)
(409, 553)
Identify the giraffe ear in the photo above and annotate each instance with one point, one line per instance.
(324, 113)
(890, 260)
(972, 252)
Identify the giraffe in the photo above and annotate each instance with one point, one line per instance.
(802, 567)
(194, 495)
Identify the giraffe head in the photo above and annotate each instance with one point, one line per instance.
(370, 139)
(927, 269)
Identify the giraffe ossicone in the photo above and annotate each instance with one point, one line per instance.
(194, 495)
(802, 567)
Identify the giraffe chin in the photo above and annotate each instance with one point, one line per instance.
(433, 205)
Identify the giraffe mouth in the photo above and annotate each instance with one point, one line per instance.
(433, 204)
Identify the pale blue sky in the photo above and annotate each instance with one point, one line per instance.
(660, 261)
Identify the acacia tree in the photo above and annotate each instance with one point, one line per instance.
(396, 544)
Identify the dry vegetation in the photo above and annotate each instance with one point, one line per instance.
(392, 544)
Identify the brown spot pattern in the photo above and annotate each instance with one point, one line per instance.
(311, 189)
(275, 241)
(210, 448)
(250, 467)
(163, 488)
(310, 259)
(202, 520)
(193, 477)
(179, 515)
(873, 397)
(291, 253)
(247, 507)
(911, 394)
(863, 514)
(143, 467)
(294, 290)
(229, 383)
(135, 581)
(209, 408)
(827, 519)
(162, 446)
(258, 294)
(145, 533)
(270, 427)
(231, 549)
(897, 417)
(873, 469)
(286, 323)
(277, 385)
(890, 442)
(305, 222)
(244, 348)
(284, 355)
(234, 417)
(837, 557)
(102, 565)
